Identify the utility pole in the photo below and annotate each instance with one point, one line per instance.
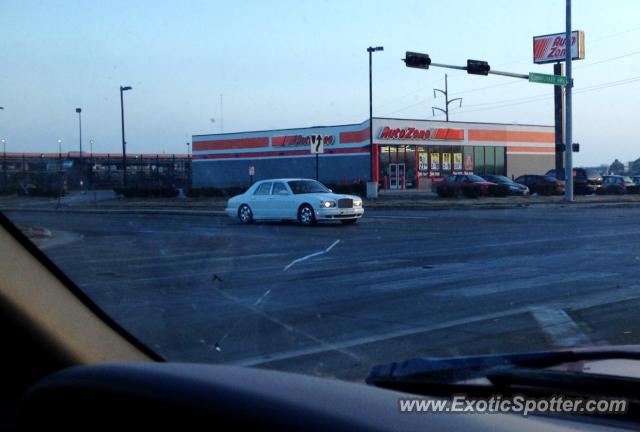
(124, 143)
(79, 111)
(445, 92)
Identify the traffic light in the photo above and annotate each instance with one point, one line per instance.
(478, 67)
(417, 60)
(575, 147)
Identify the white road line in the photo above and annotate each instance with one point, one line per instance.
(559, 326)
(262, 298)
(304, 258)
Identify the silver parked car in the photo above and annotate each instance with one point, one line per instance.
(307, 201)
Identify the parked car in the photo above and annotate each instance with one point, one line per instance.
(468, 185)
(541, 184)
(307, 201)
(585, 180)
(636, 179)
(617, 184)
(514, 188)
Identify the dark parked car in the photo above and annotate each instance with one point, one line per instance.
(514, 188)
(542, 184)
(468, 185)
(585, 180)
(616, 184)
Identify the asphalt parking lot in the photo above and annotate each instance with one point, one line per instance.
(333, 300)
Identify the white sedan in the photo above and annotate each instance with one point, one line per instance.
(304, 200)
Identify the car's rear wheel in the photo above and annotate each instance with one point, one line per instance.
(349, 221)
(306, 215)
(245, 214)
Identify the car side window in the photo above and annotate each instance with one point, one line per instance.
(263, 189)
(279, 189)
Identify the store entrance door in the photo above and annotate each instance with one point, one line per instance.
(396, 176)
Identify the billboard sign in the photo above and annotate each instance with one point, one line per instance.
(551, 48)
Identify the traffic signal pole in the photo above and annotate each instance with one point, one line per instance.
(568, 170)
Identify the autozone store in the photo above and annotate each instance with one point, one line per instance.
(407, 154)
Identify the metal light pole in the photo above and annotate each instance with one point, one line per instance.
(91, 163)
(124, 143)
(568, 172)
(371, 50)
(79, 111)
(187, 171)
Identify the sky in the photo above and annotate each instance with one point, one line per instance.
(199, 67)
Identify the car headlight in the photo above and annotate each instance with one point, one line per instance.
(357, 203)
(327, 204)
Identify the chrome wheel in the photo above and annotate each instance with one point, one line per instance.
(306, 216)
(244, 214)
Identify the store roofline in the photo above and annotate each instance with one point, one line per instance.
(365, 121)
(285, 129)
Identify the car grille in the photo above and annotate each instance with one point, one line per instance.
(345, 203)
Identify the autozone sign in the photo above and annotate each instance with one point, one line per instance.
(417, 134)
(551, 48)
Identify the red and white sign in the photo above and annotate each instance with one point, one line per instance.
(551, 48)
(416, 134)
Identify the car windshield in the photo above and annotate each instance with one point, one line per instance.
(500, 179)
(307, 186)
(175, 159)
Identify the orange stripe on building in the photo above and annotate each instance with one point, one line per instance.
(449, 134)
(545, 150)
(354, 137)
(240, 143)
(511, 136)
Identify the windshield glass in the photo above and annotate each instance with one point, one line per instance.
(500, 179)
(307, 186)
(132, 131)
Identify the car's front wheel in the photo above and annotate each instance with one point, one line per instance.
(245, 214)
(306, 216)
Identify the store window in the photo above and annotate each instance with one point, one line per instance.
(423, 161)
(489, 160)
(434, 162)
(468, 160)
(479, 160)
(500, 161)
(457, 167)
(411, 172)
(384, 161)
